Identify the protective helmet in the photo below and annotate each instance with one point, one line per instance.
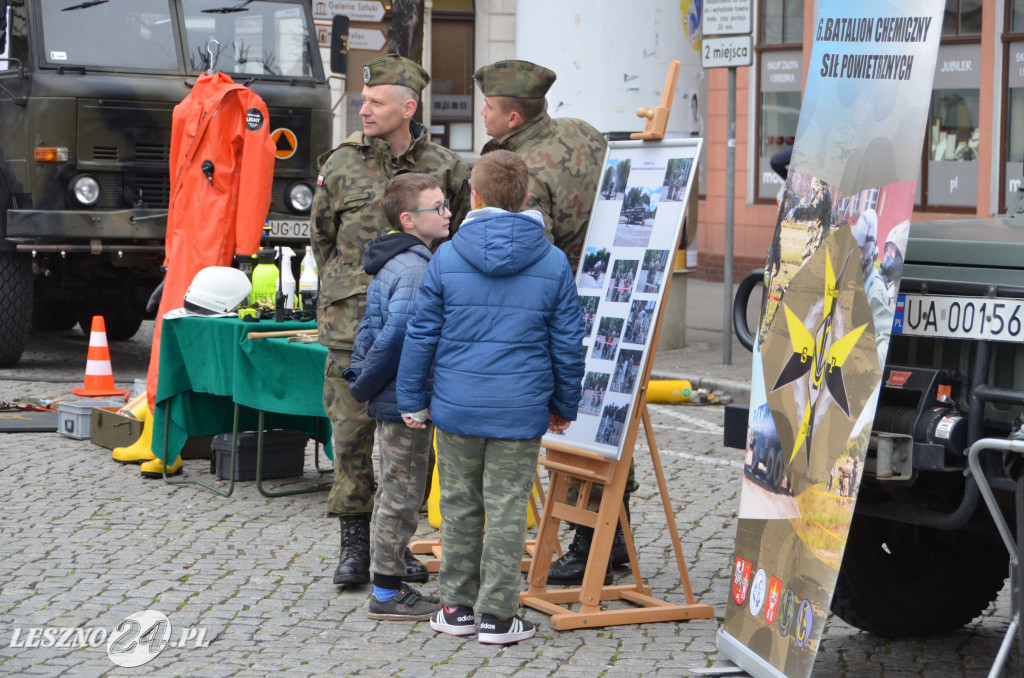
(217, 289)
(866, 234)
(895, 246)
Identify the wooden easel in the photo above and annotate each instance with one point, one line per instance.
(565, 462)
(656, 117)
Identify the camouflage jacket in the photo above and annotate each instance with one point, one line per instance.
(564, 156)
(347, 216)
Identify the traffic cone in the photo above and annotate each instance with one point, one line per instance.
(99, 377)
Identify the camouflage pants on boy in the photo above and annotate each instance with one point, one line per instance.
(404, 469)
(492, 478)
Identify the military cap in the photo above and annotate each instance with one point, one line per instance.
(394, 69)
(513, 78)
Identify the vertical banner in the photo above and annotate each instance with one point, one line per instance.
(825, 327)
(634, 231)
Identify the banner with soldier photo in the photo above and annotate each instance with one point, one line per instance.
(831, 278)
(634, 232)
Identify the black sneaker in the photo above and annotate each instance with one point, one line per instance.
(494, 631)
(455, 621)
(408, 605)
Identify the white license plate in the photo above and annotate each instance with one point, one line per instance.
(289, 229)
(959, 317)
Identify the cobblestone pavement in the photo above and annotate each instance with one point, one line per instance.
(86, 542)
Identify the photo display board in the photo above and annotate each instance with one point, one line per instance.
(634, 232)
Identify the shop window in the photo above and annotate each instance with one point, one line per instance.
(1013, 114)
(780, 82)
(1016, 17)
(952, 141)
(962, 17)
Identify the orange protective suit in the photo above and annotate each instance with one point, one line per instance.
(211, 219)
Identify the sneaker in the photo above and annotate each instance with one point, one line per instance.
(455, 621)
(494, 631)
(408, 605)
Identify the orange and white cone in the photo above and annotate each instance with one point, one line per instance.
(99, 376)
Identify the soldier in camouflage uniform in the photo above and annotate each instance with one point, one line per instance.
(564, 156)
(347, 216)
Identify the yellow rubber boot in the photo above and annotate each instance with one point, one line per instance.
(155, 468)
(142, 449)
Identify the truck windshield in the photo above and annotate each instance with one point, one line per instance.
(258, 38)
(119, 34)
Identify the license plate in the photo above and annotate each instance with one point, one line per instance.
(959, 317)
(289, 229)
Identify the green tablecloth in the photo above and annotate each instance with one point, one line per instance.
(207, 365)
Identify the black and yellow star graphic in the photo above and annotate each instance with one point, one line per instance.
(818, 357)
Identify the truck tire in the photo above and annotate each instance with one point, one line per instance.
(899, 580)
(16, 310)
(120, 324)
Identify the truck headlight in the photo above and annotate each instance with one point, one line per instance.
(299, 197)
(85, 190)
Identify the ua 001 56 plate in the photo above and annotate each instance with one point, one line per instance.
(997, 319)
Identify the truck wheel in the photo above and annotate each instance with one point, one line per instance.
(120, 324)
(53, 315)
(899, 580)
(774, 469)
(16, 311)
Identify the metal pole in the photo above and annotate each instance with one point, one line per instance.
(730, 189)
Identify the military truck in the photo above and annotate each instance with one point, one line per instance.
(87, 90)
(923, 555)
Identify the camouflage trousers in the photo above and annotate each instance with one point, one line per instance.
(492, 478)
(352, 439)
(404, 469)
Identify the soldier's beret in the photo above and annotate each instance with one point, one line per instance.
(513, 78)
(394, 69)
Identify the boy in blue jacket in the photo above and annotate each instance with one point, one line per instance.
(415, 206)
(498, 319)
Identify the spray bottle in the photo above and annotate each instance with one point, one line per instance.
(264, 279)
(309, 280)
(287, 277)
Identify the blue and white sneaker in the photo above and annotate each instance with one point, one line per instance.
(494, 631)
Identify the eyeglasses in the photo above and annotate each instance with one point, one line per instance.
(440, 209)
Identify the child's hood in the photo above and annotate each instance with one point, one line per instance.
(500, 243)
(387, 247)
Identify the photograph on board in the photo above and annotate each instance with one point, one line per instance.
(613, 181)
(620, 286)
(652, 271)
(594, 386)
(636, 219)
(613, 422)
(676, 175)
(641, 314)
(594, 268)
(588, 305)
(627, 367)
(607, 341)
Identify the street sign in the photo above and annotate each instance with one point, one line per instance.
(731, 51)
(356, 10)
(366, 38)
(725, 17)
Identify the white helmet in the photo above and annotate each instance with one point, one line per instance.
(217, 289)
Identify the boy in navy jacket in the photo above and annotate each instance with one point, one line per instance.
(499, 321)
(418, 212)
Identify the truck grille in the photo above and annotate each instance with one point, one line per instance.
(104, 153)
(156, 189)
(152, 152)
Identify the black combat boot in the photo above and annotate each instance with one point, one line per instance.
(620, 554)
(415, 571)
(569, 569)
(354, 567)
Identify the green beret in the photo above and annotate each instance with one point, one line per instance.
(519, 79)
(394, 69)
